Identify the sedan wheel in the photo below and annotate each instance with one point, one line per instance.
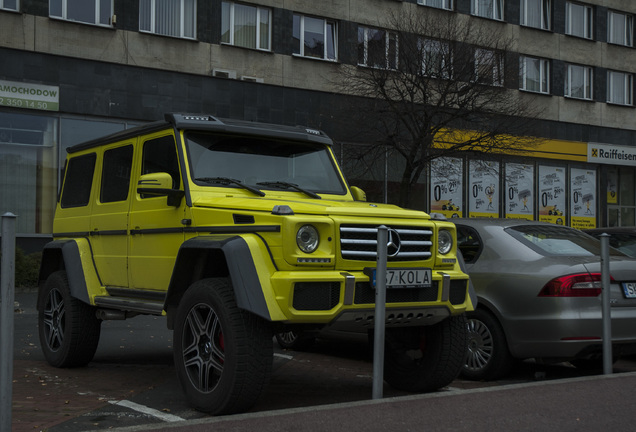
(295, 340)
(479, 345)
(488, 356)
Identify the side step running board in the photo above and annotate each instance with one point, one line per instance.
(130, 304)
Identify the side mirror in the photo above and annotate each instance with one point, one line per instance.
(358, 194)
(160, 184)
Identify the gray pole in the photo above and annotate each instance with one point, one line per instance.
(380, 313)
(7, 296)
(607, 311)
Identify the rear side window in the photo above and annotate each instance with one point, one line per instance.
(78, 182)
(116, 174)
(557, 240)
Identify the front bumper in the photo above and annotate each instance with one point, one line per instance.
(330, 297)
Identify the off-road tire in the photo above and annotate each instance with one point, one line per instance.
(423, 359)
(488, 355)
(223, 355)
(69, 329)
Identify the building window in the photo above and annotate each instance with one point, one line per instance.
(440, 4)
(377, 48)
(315, 37)
(13, 5)
(620, 88)
(620, 28)
(621, 187)
(578, 82)
(536, 13)
(489, 67)
(436, 58)
(29, 170)
(246, 26)
(578, 20)
(488, 9)
(97, 12)
(535, 75)
(175, 18)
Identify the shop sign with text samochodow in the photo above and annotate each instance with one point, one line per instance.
(29, 96)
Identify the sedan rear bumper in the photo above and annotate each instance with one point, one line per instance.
(568, 337)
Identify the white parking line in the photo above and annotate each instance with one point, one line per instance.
(285, 356)
(149, 411)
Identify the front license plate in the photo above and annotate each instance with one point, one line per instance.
(406, 278)
(630, 289)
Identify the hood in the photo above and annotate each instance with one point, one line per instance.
(311, 207)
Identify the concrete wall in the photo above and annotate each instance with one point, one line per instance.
(120, 46)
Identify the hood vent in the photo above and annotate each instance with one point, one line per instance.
(243, 219)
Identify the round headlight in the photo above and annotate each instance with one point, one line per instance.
(307, 238)
(444, 242)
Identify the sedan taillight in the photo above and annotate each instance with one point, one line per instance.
(576, 285)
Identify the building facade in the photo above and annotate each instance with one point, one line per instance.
(74, 70)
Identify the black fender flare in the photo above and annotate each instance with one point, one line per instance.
(231, 257)
(63, 255)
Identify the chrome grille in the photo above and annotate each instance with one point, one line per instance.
(360, 242)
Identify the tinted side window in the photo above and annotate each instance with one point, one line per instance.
(160, 155)
(79, 178)
(116, 174)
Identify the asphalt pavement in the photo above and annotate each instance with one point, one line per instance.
(328, 389)
(600, 403)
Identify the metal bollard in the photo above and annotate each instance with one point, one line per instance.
(380, 313)
(605, 305)
(7, 296)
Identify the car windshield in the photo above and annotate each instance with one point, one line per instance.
(266, 164)
(557, 240)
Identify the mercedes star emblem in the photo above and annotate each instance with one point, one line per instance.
(393, 243)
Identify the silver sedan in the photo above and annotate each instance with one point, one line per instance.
(539, 292)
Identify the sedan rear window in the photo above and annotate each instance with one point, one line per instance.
(557, 240)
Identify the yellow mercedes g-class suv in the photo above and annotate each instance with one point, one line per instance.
(236, 231)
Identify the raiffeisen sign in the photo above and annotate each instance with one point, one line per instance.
(29, 96)
(611, 154)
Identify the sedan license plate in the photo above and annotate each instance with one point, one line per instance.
(629, 288)
(406, 278)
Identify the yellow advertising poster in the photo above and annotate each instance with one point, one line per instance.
(612, 187)
(518, 192)
(552, 194)
(446, 187)
(484, 189)
(583, 198)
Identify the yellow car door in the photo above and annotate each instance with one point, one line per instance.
(156, 230)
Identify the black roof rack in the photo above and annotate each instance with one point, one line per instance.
(213, 124)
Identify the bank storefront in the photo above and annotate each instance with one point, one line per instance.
(583, 185)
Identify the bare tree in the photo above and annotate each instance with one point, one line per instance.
(431, 84)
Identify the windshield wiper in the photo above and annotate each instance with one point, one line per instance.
(227, 181)
(286, 185)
